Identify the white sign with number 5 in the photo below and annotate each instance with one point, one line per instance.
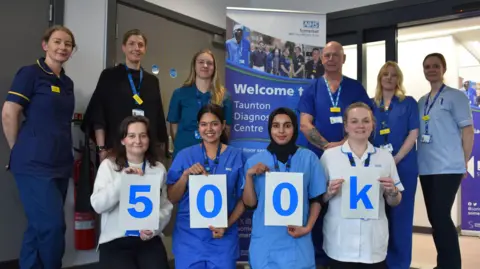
(139, 202)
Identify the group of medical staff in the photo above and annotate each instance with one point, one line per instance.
(432, 139)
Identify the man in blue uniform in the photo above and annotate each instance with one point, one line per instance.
(321, 107)
(238, 47)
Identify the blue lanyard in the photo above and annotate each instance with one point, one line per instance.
(277, 166)
(385, 117)
(426, 109)
(134, 232)
(352, 160)
(206, 162)
(334, 103)
(132, 85)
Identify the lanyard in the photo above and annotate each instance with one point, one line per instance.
(135, 91)
(277, 166)
(352, 160)
(426, 109)
(206, 162)
(334, 103)
(134, 232)
(385, 117)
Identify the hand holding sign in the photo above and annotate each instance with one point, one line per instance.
(217, 233)
(284, 199)
(388, 184)
(297, 231)
(258, 169)
(334, 186)
(196, 169)
(208, 201)
(361, 193)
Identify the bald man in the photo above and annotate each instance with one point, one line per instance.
(322, 107)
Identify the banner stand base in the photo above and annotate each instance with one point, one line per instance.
(470, 233)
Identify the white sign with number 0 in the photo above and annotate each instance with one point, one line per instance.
(283, 199)
(139, 202)
(208, 201)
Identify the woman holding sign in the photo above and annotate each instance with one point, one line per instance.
(355, 228)
(444, 149)
(281, 246)
(209, 247)
(134, 154)
(397, 131)
(202, 87)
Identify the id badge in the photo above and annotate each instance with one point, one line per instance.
(138, 112)
(336, 120)
(241, 61)
(138, 99)
(197, 135)
(426, 138)
(385, 131)
(388, 147)
(335, 109)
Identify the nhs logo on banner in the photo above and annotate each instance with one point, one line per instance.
(361, 193)
(311, 24)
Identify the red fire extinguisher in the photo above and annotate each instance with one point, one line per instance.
(85, 236)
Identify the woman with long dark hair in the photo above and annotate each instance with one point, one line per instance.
(133, 154)
(215, 247)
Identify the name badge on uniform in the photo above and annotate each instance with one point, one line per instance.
(138, 112)
(138, 99)
(388, 147)
(197, 135)
(385, 131)
(426, 138)
(336, 120)
(55, 89)
(426, 118)
(241, 61)
(335, 109)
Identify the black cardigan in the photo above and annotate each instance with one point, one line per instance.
(112, 102)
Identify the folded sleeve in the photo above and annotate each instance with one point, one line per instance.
(23, 86)
(461, 111)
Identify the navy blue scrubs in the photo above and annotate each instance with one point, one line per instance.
(400, 118)
(42, 160)
(316, 102)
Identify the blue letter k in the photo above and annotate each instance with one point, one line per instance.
(362, 195)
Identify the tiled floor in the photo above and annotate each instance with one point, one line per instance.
(425, 255)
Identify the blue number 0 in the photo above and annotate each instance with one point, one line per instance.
(277, 199)
(133, 199)
(217, 201)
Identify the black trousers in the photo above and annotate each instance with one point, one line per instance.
(351, 265)
(133, 253)
(439, 192)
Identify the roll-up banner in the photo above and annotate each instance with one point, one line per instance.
(272, 57)
(470, 188)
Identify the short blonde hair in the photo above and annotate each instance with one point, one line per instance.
(399, 91)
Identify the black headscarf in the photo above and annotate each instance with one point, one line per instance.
(283, 151)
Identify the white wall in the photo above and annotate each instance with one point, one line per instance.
(214, 11)
(470, 73)
(84, 68)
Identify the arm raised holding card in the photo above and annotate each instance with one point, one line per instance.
(177, 190)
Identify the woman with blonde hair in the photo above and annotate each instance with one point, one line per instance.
(202, 87)
(397, 131)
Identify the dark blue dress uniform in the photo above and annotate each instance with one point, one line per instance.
(42, 160)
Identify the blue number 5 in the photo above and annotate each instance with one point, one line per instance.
(133, 199)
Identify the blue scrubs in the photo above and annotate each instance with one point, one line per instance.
(271, 247)
(196, 248)
(401, 118)
(238, 53)
(316, 102)
(183, 110)
(286, 62)
(42, 160)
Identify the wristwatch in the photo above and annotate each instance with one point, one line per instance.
(101, 148)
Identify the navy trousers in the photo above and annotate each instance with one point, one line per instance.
(400, 220)
(44, 240)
